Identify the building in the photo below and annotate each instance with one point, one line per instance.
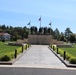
(5, 36)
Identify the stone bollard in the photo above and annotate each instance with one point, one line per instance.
(64, 55)
(15, 53)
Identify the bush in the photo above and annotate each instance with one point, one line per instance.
(72, 60)
(10, 55)
(61, 52)
(3, 40)
(19, 50)
(28, 45)
(54, 48)
(50, 45)
(6, 58)
(68, 56)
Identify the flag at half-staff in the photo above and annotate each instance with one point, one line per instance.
(50, 26)
(50, 23)
(29, 23)
(40, 21)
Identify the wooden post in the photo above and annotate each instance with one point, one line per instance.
(57, 50)
(26, 47)
(64, 55)
(53, 47)
(15, 53)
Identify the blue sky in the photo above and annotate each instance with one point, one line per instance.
(62, 13)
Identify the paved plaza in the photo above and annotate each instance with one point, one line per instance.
(39, 55)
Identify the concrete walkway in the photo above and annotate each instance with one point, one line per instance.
(39, 55)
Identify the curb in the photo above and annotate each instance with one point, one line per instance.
(63, 61)
(14, 60)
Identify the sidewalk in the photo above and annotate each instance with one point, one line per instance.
(39, 55)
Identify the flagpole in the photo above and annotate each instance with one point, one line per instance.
(40, 23)
(30, 24)
(50, 26)
(30, 27)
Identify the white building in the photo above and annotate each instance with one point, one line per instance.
(5, 36)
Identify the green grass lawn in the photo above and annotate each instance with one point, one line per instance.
(72, 51)
(74, 45)
(6, 49)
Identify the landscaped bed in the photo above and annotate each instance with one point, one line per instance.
(70, 53)
(7, 52)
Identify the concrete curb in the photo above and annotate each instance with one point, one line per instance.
(63, 61)
(13, 60)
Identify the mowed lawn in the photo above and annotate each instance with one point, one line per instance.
(72, 51)
(4, 49)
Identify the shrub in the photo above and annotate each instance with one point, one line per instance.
(68, 56)
(61, 52)
(19, 50)
(5, 58)
(28, 45)
(72, 60)
(50, 45)
(25, 47)
(3, 40)
(54, 48)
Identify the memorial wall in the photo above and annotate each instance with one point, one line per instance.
(40, 39)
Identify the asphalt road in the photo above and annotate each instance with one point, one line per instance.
(35, 71)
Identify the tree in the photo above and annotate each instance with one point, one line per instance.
(41, 30)
(4, 27)
(68, 32)
(62, 37)
(72, 38)
(15, 37)
(57, 34)
(36, 30)
(45, 30)
(33, 30)
(26, 34)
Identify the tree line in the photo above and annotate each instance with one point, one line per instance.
(23, 32)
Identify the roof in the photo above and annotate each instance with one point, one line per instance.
(4, 34)
(1, 34)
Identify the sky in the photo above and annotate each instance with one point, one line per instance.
(18, 13)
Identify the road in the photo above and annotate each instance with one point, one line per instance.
(35, 71)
